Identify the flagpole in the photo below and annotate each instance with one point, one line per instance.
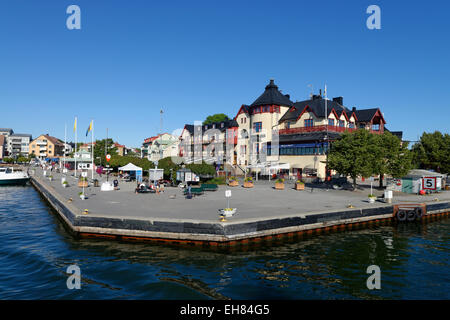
(328, 143)
(65, 143)
(75, 154)
(92, 150)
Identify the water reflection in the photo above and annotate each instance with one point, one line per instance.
(413, 259)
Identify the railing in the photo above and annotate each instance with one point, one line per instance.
(321, 129)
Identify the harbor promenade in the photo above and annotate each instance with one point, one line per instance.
(261, 211)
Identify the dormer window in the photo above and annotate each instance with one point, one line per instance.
(309, 122)
(331, 122)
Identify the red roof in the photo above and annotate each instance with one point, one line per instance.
(153, 138)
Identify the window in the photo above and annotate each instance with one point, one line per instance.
(351, 124)
(309, 122)
(257, 126)
(341, 123)
(288, 124)
(331, 122)
(266, 108)
(376, 127)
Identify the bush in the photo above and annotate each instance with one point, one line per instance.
(218, 180)
(279, 180)
(203, 169)
(248, 179)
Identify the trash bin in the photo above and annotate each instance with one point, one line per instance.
(96, 184)
(388, 196)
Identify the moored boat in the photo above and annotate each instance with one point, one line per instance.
(9, 176)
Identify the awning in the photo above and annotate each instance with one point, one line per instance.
(130, 167)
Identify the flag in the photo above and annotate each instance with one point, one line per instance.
(89, 129)
(75, 125)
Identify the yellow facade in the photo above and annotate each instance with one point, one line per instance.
(45, 146)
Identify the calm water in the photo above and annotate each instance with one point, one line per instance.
(35, 251)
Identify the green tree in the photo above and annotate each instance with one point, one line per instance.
(353, 154)
(167, 164)
(218, 117)
(202, 169)
(433, 152)
(392, 156)
(23, 159)
(8, 160)
(99, 150)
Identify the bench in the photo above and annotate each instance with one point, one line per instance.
(210, 187)
(194, 191)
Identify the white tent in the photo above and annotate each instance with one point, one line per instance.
(275, 168)
(130, 167)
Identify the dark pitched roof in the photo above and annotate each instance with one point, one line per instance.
(218, 125)
(317, 106)
(398, 134)
(272, 96)
(365, 115)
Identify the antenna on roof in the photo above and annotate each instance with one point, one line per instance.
(312, 90)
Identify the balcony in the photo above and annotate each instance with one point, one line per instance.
(41, 143)
(321, 128)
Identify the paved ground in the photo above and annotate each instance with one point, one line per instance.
(262, 201)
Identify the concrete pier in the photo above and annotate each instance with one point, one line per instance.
(263, 213)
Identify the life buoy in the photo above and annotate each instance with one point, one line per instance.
(401, 215)
(411, 215)
(418, 212)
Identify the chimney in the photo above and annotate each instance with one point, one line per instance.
(320, 92)
(339, 100)
(287, 96)
(353, 109)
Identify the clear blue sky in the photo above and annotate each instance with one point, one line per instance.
(195, 58)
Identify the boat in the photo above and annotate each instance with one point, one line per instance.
(9, 176)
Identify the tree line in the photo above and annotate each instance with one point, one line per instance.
(365, 154)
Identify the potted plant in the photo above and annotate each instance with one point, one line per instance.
(248, 182)
(299, 185)
(233, 182)
(82, 196)
(50, 178)
(227, 212)
(372, 198)
(82, 182)
(65, 184)
(279, 184)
